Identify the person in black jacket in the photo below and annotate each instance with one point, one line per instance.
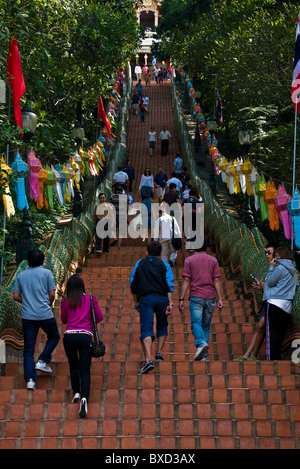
(152, 285)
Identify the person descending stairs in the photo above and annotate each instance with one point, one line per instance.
(182, 403)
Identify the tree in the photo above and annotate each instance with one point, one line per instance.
(247, 49)
(69, 51)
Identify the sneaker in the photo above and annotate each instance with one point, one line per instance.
(146, 368)
(42, 366)
(76, 398)
(83, 408)
(31, 384)
(159, 357)
(200, 352)
(98, 251)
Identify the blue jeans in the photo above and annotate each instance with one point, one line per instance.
(78, 351)
(148, 306)
(30, 332)
(201, 311)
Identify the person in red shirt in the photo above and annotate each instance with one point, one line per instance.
(201, 275)
(76, 313)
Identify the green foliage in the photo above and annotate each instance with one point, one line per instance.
(69, 51)
(246, 48)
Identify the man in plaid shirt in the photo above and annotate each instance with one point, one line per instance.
(201, 275)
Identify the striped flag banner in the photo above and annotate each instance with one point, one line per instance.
(296, 73)
(219, 113)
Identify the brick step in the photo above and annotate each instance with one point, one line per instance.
(283, 368)
(231, 434)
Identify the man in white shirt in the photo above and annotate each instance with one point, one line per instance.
(146, 101)
(120, 178)
(163, 232)
(138, 72)
(164, 137)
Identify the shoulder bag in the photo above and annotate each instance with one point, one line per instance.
(176, 242)
(98, 347)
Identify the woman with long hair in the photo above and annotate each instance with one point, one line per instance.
(279, 290)
(146, 186)
(76, 313)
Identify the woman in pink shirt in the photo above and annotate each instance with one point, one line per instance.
(76, 312)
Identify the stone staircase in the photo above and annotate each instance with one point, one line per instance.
(181, 404)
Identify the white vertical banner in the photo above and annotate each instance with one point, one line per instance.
(2, 351)
(2, 92)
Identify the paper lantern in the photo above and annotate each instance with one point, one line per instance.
(68, 177)
(75, 168)
(91, 163)
(246, 169)
(57, 186)
(6, 197)
(230, 179)
(71, 174)
(34, 166)
(20, 170)
(281, 203)
(48, 186)
(269, 197)
(260, 189)
(42, 176)
(293, 208)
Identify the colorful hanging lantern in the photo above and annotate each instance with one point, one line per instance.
(48, 187)
(242, 178)
(236, 183)
(253, 179)
(42, 178)
(20, 170)
(4, 180)
(92, 165)
(71, 173)
(75, 167)
(260, 189)
(269, 197)
(57, 186)
(293, 208)
(281, 203)
(246, 169)
(67, 175)
(230, 180)
(34, 166)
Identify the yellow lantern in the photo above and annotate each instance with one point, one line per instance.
(6, 197)
(246, 170)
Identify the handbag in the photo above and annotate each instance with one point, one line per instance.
(176, 242)
(98, 347)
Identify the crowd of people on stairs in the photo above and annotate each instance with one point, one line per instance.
(151, 281)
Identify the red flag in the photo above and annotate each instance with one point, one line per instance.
(16, 79)
(102, 115)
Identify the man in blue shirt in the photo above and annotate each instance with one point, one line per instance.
(160, 181)
(178, 163)
(152, 285)
(129, 170)
(35, 288)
